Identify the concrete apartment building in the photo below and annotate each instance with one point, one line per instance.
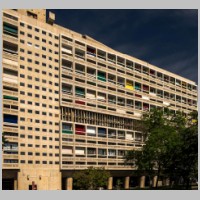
(70, 102)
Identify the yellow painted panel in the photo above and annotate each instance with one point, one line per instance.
(129, 87)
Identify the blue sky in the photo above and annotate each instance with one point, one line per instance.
(165, 38)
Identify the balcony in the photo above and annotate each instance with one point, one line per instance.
(10, 166)
(10, 56)
(10, 156)
(10, 93)
(11, 138)
(10, 129)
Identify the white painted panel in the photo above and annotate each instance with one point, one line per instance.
(80, 151)
(129, 136)
(166, 103)
(67, 50)
(91, 130)
(137, 114)
(152, 94)
(90, 96)
(145, 97)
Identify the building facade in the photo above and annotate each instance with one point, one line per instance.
(70, 102)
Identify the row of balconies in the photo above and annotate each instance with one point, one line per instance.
(136, 78)
(137, 107)
(80, 54)
(137, 87)
(88, 130)
(95, 95)
(109, 167)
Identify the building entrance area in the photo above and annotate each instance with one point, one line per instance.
(7, 184)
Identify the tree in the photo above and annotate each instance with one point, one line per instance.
(91, 178)
(170, 147)
(4, 140)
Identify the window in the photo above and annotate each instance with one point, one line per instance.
(29, 27)
(44, 32)
(37, 46)
(29, 111)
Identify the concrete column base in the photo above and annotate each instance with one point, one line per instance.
(110, 183)
(142, 181)
(69, 183)
(15, 184)
(154, 181)
(126, 182)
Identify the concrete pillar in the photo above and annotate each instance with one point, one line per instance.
(154, 181)
(110, 183)
(126, 182)
(167, 181)
(69, 183)
(15, 184)
(142, 181)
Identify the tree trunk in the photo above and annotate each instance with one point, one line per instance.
(158, 175)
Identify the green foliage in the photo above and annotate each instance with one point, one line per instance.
(171, 146)
(91, 178)
(3, 139)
